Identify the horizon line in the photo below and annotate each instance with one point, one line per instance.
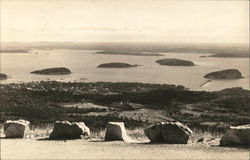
(101, 42)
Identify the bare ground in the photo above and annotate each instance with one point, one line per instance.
(98, 149)
(36, 146)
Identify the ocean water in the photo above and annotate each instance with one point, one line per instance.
(83, 64)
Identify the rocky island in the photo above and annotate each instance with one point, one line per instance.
(116, 65)
(53, 71)
(174, 62)
(225, 74)
(3, 76)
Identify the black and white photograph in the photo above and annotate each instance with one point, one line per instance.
(124, 79)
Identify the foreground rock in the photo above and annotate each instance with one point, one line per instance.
(3, 76)
(224, 74)
(170, 133)
(67, 130)
(16, 129)
(116, 131)
(53, 71)
(236, 136)
(174, 62)
(116, 65)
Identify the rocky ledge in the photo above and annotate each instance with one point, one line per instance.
(225, 74)
(174, 62)
(53, 71)
(116, 65)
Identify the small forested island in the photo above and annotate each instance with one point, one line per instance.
(203, 56)
(175, 62)
(3, 76)
(53, 71)
(14, 51)
(131, 53)
(116, 65)
(225, 74)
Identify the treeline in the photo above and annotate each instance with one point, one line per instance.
(40, 102)
(157, 97)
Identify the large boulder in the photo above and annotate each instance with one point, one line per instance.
(3, 76)
(116, 131)
(236, 136)
(170, 133)
(16, 129)
(67, 130)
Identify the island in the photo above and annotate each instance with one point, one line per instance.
(175, 62)
(130, 53)
(225, 74)
(52, 71)
(203, 56)
(3, 76)
(230, 55)
(116, 65)
(14, 51)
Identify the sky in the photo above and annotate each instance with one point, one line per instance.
(191, 21)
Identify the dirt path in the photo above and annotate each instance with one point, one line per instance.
(83, 149)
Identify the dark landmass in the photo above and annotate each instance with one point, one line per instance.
(3, 76)
(218, 49)
(225, 74)
(174, 62)
(14, 51)
(204, 56)
(225, 55)
(136, 104)
(131, 53)
(116, 65)
(52, 71)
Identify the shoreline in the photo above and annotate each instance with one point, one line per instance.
(201, 87)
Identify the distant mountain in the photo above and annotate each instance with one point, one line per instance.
(14, 51)
(219, 50)
(132, 53)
